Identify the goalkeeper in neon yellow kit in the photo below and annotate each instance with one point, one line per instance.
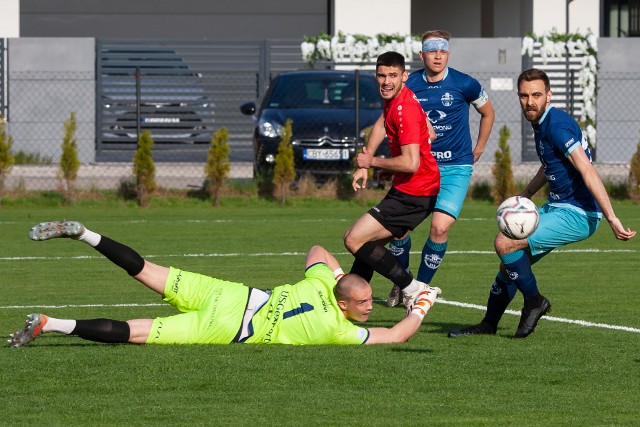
(316, 310)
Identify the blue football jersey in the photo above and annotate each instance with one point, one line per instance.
(556, 136)
(447, 105)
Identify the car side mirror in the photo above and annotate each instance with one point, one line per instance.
(248, 109)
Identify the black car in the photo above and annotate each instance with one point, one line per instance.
(324, 111)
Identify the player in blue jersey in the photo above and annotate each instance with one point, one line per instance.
(445, 95)
(576, 203)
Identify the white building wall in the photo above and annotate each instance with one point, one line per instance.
(550, 14)
(9, 18)
(371, 17)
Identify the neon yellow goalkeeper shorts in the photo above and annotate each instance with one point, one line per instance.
(212, 310)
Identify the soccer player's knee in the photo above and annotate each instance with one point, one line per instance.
(439, 231)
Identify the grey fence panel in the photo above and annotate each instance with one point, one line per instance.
(3, 78)
(567, 94)
(40, 102)
(618, 120)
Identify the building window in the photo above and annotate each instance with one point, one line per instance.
(622, 18)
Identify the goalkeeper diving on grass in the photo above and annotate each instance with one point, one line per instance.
(317, 310)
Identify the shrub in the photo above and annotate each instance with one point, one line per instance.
(481, 191)
(217, 167)
(284, 171)
(6, 156)
(69, 162)
(502, 170)
(144, 169)
(23, 158)
(634, 175)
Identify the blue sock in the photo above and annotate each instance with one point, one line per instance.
(432, 254)
(519, 269)
(502, 292)
(400, 249)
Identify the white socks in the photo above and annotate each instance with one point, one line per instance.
(63, 326)
(90, 237)
(414, 286)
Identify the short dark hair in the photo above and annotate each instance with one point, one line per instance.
(391, 59)
(534, 74)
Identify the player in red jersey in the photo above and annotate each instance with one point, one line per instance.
(415, 185)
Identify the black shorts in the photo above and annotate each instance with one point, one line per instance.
(399, 212)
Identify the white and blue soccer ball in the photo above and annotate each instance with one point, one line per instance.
(517, 217)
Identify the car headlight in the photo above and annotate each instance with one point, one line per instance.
(270, 129)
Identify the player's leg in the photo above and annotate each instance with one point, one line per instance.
(365, 239)
(400, 248)
(436, 246)
(454, 183)
(152, 275)
(395, 215)
(100, 330)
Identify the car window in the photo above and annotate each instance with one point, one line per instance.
(322, 92)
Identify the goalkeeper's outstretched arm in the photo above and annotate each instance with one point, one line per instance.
(408, 326)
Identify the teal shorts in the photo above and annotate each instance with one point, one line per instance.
(560, 226)
(454, 183)
(212, 310)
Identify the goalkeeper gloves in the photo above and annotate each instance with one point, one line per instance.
(423, 302)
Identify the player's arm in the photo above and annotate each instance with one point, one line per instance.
(401, 332)
(487, 116)
(319, 254)
(536, 183)
(408, 326)
(408, 161)
(592, 180)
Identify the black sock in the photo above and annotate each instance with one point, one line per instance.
(500, 296)
(362, 269)
(383, 262)
(102, 330)
(121, 255)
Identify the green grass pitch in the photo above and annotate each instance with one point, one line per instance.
(564, 374)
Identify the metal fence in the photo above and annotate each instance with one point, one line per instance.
(229, 75)
(3, 76)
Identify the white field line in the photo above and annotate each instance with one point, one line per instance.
(269, 254)
(440, 300)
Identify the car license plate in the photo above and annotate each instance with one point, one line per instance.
(161, 120)
(325, 154)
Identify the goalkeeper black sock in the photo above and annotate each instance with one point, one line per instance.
(121, 255)
(102, 330)
(384, 263)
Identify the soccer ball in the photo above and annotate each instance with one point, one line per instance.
(517, 217)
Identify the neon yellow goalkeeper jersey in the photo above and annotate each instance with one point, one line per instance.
(305, 313)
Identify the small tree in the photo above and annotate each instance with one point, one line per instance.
(284, 171)
(6, 156)
(144, 169)
(502, 170)
(217, 167)
(634, 175)
(69, 162)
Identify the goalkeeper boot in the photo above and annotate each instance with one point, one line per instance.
(482, 328)
(394, 296)
(32, 330)
(534, 308)
(55, 229)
